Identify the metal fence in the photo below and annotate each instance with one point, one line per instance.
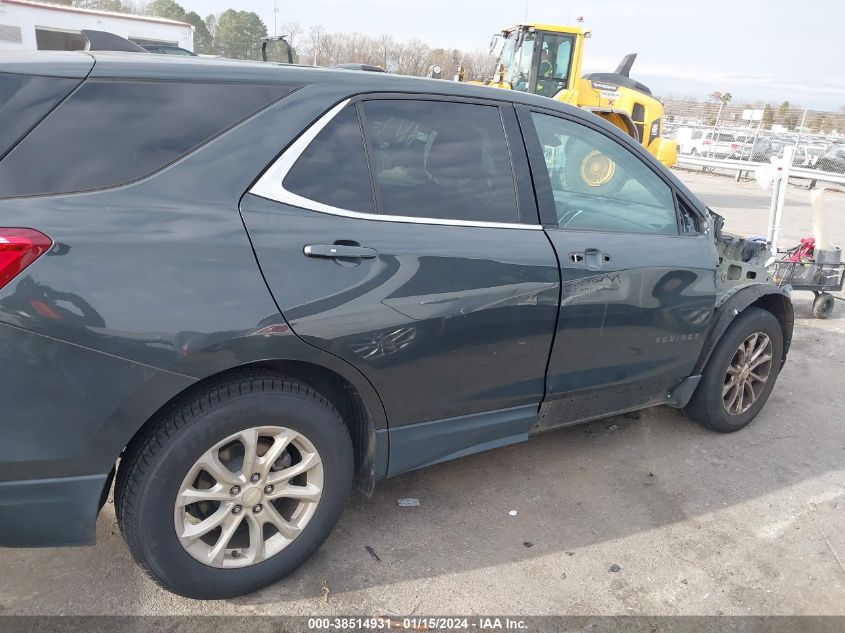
(740, 137)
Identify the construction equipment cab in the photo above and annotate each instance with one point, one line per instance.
(546, 60)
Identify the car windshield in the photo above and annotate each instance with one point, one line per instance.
(517, 57)
(516, 51)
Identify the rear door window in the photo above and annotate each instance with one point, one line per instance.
(111, 132)
(440, 160)
(333, 169)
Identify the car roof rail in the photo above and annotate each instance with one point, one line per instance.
(366, 67)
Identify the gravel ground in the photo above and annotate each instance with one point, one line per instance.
(695, 522)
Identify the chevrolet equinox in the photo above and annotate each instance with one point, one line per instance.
(236, 290)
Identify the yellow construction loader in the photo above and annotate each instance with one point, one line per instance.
(545, 59)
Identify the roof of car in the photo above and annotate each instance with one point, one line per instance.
(108, 64)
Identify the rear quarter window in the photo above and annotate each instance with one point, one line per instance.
(111, 132)
(25, 100)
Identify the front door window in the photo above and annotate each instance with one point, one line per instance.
(598, 185)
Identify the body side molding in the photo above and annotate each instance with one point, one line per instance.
(426, 443)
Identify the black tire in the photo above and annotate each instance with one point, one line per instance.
(154, 466)
(706, 405)
(823, 305)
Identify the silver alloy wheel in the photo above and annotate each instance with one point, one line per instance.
(248, 497)
(747, 373)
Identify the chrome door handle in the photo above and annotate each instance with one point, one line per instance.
(333, 251)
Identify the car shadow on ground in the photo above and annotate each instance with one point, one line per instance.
(570, 489)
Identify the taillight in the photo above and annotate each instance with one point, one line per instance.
(706, 142)
(18, 249)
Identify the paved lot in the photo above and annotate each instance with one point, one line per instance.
(699, 523)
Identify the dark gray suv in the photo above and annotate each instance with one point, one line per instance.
(239, 289)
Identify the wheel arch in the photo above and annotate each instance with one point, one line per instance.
(766, 296)
(341, 384)
(370, 458)
(617, 118)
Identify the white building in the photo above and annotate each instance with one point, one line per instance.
(27, 25)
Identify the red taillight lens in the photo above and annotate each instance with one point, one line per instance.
(706, 142)
(18, 249)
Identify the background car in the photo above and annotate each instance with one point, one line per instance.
(715, 145)
(764, 149)
(833, 160)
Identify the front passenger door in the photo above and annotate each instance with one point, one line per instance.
(638, 282)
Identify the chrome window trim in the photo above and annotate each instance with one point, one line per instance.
(271, 186)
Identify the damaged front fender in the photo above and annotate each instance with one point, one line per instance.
(735, 300)
(742, 281)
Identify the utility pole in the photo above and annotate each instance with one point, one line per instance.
(801, 127)
(276, 17)
(716, 127)
(780, 184)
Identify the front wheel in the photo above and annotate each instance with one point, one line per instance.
(741, 373)
(234, 487)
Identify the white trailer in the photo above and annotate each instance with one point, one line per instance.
(28, 25)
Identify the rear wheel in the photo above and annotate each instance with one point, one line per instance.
(235, 487)
(740, 374)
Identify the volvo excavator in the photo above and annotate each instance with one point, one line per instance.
(546, 59)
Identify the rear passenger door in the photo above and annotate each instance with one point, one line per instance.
(401, 234)
(637, 271)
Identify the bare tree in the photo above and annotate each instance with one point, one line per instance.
(477, 64)
(384, 52)
(328, 50)
(314, 44)
(292, 30)
(138, 7)
(411, 57)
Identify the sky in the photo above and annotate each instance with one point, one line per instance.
(769, 50)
